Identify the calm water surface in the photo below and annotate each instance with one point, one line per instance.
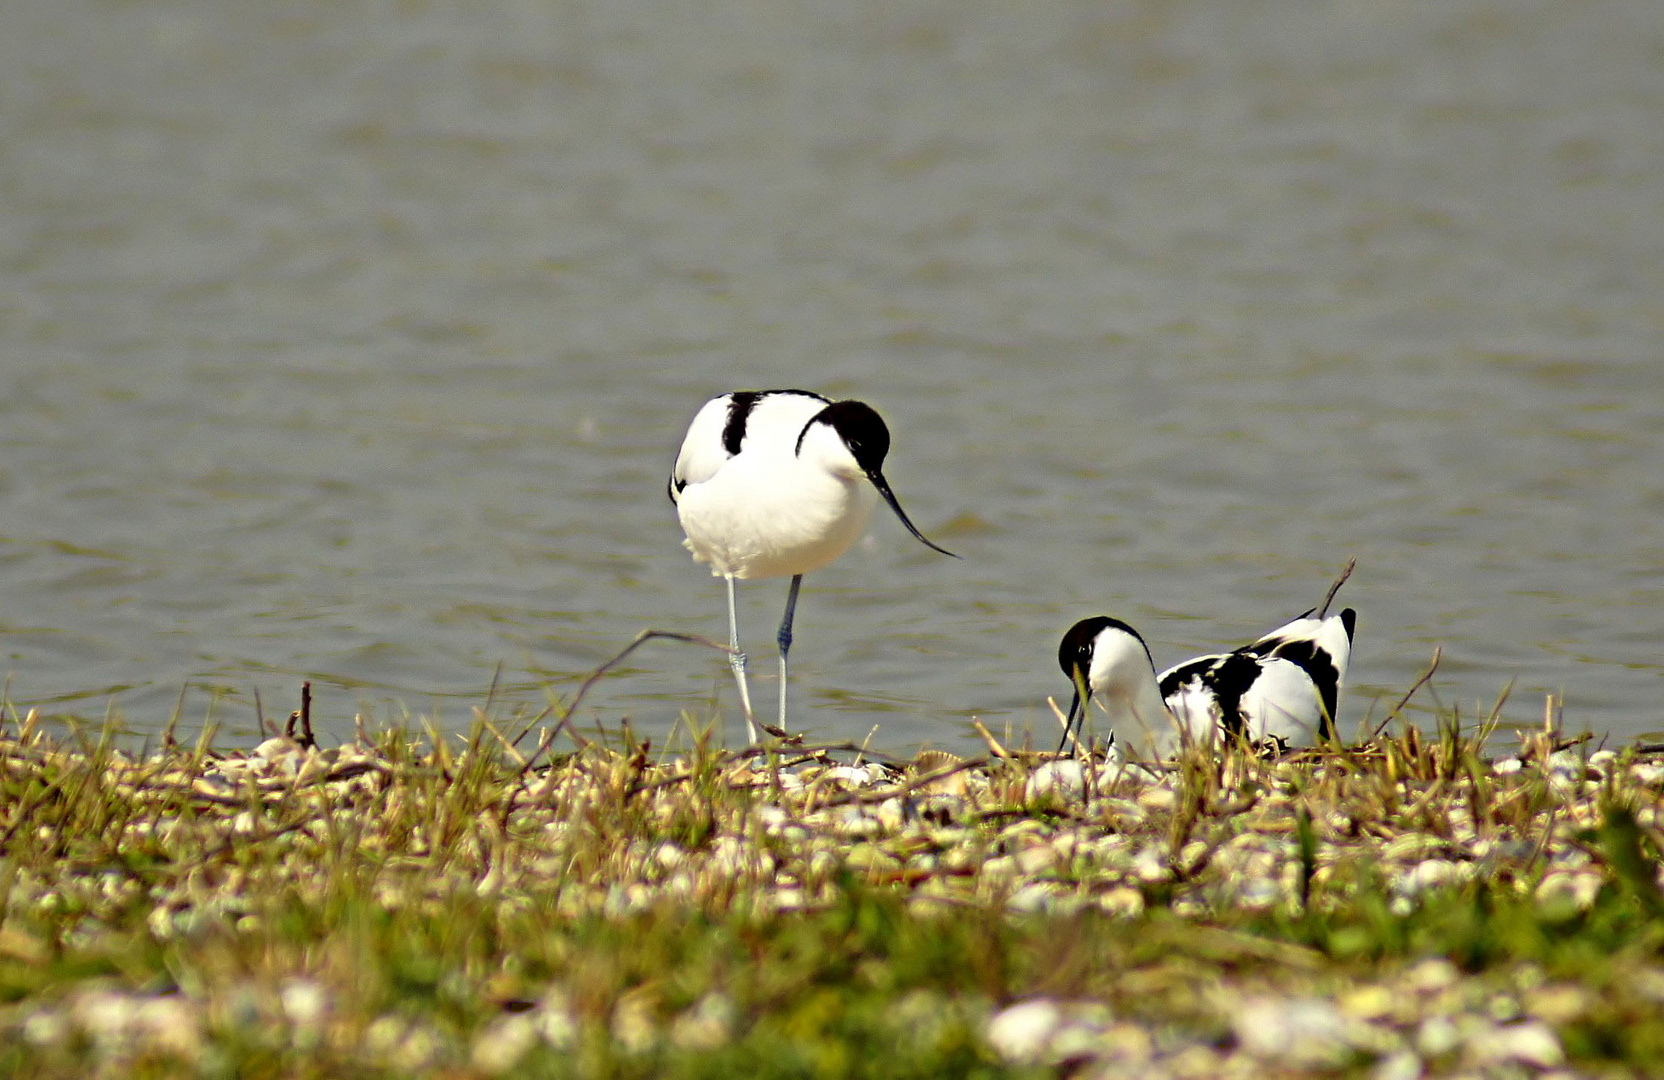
(354, 340)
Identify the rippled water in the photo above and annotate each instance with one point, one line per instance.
(353, 341)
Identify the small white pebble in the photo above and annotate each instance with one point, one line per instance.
(1022, 1032)
(1648, 772)
(1563, 893)
(669, 856)
(1566, 765)
(503, 1044)
(1304, 1033)
(892, 814)
(1150, 864)
(169, 1025)
(1034, 859)
(1431, 975)
(1431, 874)
(1531, 1042)
(1401, 1065)
(104, 1016)
(1258, 893)
(1064, 780)
(856, 775)
(555, 1023)
(45, 1028)
(855, 823)
(214, 785)
(706, 1026)
(1040, 896)
(1081, 1034)
(632, 1024)
(1437, 1036)
(304, 1003)
(1158, 798)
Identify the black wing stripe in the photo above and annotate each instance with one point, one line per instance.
(1316, 663)
(740, 405)
(1227, 678)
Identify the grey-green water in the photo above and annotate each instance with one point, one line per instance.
(354, 341)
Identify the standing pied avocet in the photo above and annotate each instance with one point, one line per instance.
(1277, 692)
(777, 482)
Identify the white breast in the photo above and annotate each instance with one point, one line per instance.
(762, 517)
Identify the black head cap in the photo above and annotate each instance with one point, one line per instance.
(861, 429)
(863, 432)
(1074, 656)
(1074, 652)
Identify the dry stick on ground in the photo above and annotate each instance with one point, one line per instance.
(1068, 731)
(484, 721)
(302, 716)
(886, 794)
(812, 751)
(640, 639)
(543, 744)
(864, 742)
(600, 672)
(179, 710)
(1438, 653)
(533, 722)
(994, 746)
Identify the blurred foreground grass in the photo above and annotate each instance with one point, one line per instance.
(411, 905)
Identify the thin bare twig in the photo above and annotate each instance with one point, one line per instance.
(815, 751)
(533, 722)
(303, 717)
(543, 744)
(641, 639)
(1438, 654)
(994, 746)
(1069, 735)
(1329, 597)
(179, 710)
(507, 746)
(491, 691)
(843, 798)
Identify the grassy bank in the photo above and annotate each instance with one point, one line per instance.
(412, 905)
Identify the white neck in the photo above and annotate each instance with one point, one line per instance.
(1124, 687)
(822, 447)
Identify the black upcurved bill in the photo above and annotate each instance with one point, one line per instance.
(883, 487)
(1074, 707)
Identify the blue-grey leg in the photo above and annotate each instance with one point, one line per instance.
(736, 660)
(784, 638)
